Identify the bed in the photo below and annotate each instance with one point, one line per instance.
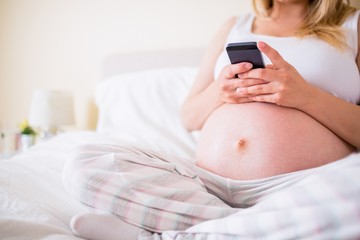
(139, 101)
(33, 201)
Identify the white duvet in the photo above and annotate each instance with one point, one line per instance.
(33, 201)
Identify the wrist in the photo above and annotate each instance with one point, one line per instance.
(215, 96)
(311, 99)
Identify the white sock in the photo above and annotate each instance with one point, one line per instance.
(102, 226)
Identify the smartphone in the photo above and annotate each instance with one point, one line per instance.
(245, 52)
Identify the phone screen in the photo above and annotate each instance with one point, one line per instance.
(245, 52)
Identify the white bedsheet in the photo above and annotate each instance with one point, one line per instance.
(33, 201)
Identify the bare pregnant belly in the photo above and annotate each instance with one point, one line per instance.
(257, 140)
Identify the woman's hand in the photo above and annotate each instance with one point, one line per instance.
(284, 85)
(228, 83)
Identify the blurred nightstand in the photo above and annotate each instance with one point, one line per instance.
(7, 143)
(12, 142)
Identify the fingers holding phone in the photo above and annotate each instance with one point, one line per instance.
(228, 82)
(283, 84)
(243, 56)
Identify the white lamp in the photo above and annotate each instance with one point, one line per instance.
(51, 110)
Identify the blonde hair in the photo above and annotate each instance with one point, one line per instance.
(324, 19)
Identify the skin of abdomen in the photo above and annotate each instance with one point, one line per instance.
(259, 140)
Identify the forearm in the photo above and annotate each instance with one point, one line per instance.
(196, 109)
(341, 117)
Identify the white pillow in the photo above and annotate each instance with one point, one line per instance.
(144, 108)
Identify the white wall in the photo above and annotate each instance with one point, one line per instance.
(59, 44)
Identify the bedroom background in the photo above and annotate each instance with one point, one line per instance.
(60, 44)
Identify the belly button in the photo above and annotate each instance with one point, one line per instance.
(241, 144)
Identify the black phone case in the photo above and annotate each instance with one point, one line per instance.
(245, 52)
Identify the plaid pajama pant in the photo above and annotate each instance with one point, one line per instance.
(159, 192)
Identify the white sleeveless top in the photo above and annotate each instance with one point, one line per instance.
(317, 61)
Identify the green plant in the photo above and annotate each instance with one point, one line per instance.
(25, 128)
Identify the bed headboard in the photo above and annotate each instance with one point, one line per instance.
(136, 61)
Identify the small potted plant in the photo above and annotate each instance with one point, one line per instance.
(26, 137)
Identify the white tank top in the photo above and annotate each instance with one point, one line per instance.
(317, 61)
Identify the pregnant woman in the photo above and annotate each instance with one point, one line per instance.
(299, 112)
(261, 129)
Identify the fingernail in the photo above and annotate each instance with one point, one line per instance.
(261, 44)
(248, 65)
